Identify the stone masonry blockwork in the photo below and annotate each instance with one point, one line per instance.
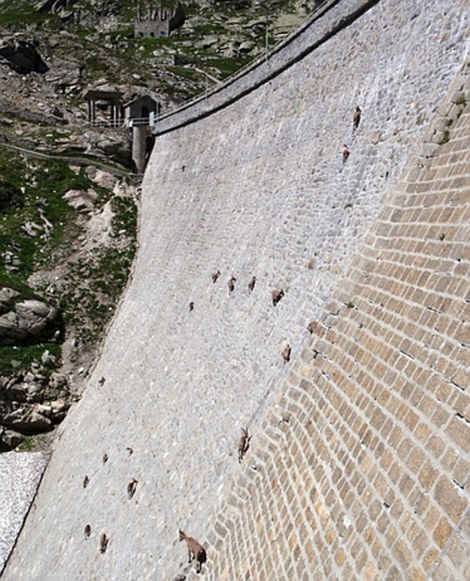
(368, 476)
(251, 182)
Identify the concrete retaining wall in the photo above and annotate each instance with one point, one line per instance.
(255, 188)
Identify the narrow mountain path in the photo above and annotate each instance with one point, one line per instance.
(72, 159)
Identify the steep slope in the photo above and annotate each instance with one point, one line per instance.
(257, 188)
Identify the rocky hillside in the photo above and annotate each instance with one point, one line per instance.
(67, 239)
(68, 198)
(52, 51)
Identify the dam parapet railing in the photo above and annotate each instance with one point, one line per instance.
(326, 21)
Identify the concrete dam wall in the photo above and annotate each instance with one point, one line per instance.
(357, 464)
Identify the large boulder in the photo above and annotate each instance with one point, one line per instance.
(29, 420)
(8, 298)
(31, 402)
(24, 320)
(81, 200)
(9, 439)
(22, 56)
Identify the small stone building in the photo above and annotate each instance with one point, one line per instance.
(158, 21)
(108, 102)
(140, 108)
(107, 109)
(138, 113)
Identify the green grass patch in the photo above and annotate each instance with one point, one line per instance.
(14, 282)
(227, 66)
(18, 13)
(43, 184)
(183, 72)
(125, 215)
(27, 445)
(19, 358)
(94, 286)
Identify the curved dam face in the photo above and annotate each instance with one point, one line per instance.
(250, 181)
(361, 470)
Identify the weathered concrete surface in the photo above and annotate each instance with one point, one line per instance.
(19, 478)
(255, 189)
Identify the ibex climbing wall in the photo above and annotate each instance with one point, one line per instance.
(250, 181)
(362, 468)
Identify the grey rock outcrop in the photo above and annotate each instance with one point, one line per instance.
(29, 421)
(9, 439)
(31, 403)
(24, 320)
(81, 200)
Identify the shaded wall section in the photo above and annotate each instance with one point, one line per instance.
(255, 188)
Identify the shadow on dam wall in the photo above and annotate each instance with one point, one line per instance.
(259, 188)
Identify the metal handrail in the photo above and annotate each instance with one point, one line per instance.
(126, 123)
(139, 121)
(113, 124)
